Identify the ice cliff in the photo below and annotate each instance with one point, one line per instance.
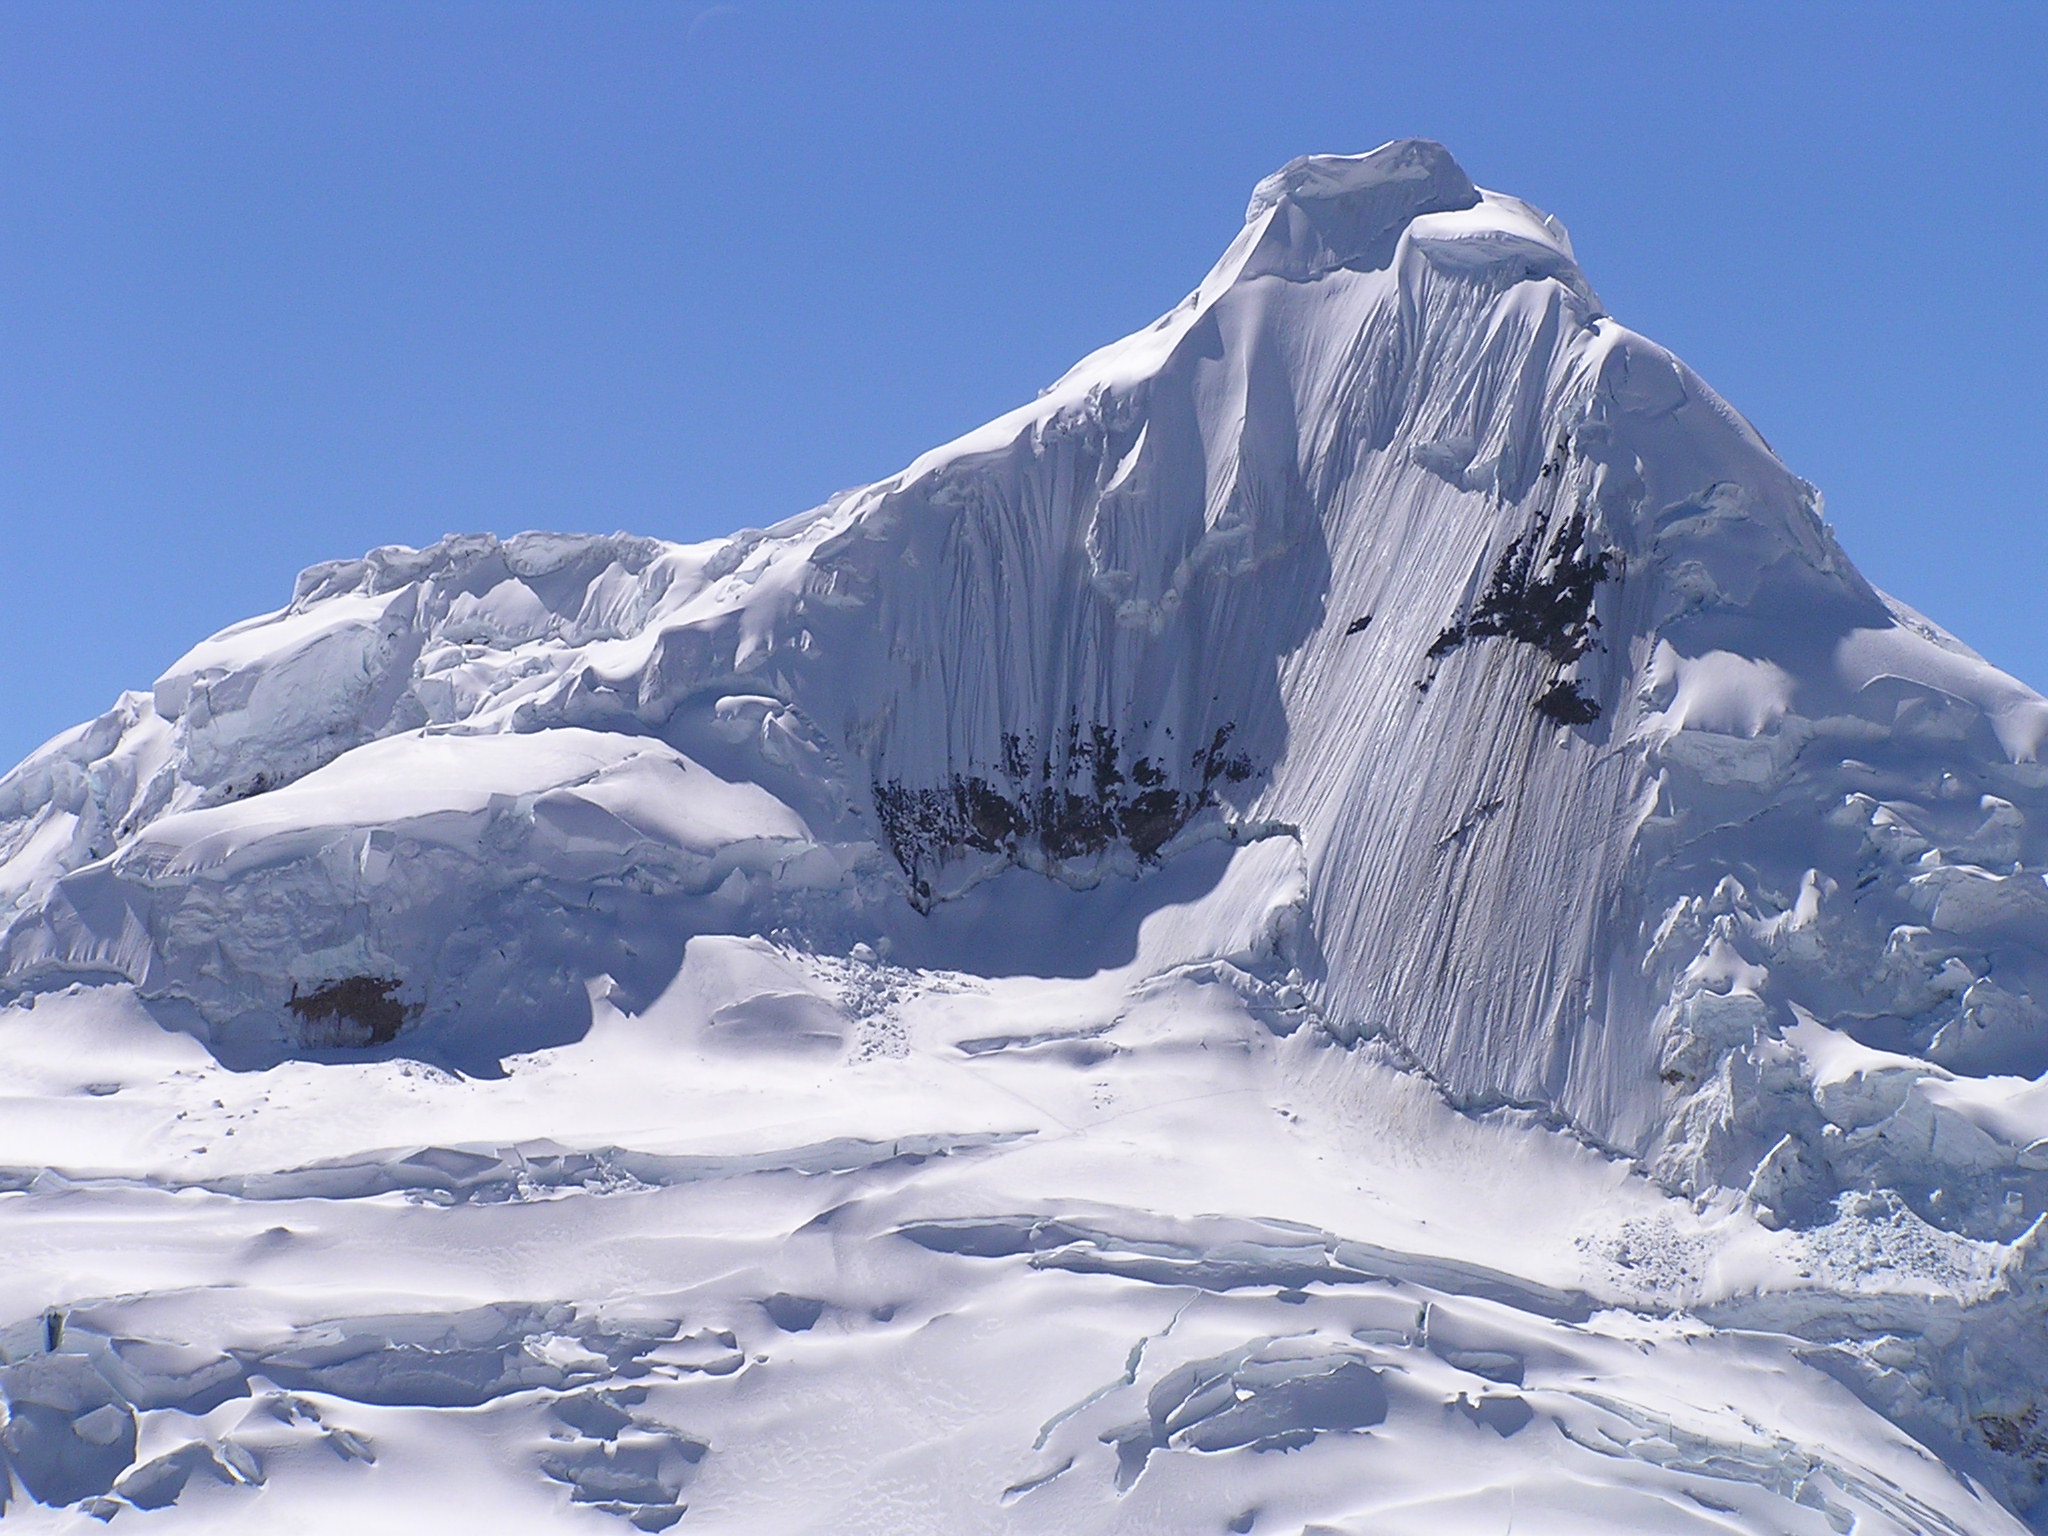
(1385, 625)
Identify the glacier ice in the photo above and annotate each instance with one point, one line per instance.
(1353, 920)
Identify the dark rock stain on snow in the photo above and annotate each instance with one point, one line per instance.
(1073, 800)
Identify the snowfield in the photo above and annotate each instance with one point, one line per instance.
(1352, 923)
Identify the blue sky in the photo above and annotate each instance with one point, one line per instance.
(283, 281)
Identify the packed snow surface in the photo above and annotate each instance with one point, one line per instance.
(1352, 923)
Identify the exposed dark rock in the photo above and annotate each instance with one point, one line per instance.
(1545, 602)
(354, 1011)
(1563, 702)
(2022, 1434)
(1074, 800)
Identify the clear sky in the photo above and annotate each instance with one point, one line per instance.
(283, 281)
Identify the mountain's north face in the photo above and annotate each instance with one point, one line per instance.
(1384, 694)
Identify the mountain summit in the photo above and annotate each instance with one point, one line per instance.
(1384, 753)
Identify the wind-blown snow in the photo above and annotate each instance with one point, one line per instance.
(1361, 879)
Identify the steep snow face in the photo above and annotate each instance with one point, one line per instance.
(1595, 778)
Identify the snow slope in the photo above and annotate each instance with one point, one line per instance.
(1357, 897)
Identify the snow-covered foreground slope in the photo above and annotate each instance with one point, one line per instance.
(1352, 922)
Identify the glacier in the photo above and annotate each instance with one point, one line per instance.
(1353, 921)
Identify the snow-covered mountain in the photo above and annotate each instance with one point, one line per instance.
(1361, 879)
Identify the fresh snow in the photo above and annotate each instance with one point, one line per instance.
(1353, 922)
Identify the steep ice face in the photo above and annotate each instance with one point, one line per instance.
(1601, 766)
(1383, 669)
